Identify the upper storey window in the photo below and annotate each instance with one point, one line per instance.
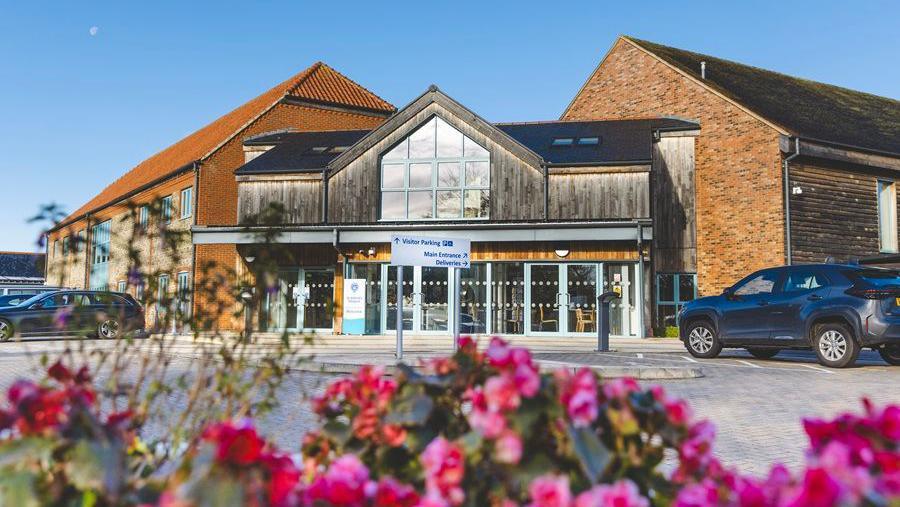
(435, 173)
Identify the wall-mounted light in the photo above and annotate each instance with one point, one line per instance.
(797, 190)
(249, 259)
(561, 252)
(371, 251)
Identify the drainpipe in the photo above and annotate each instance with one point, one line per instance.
(639, 282)
(787, 200)
(325, 198)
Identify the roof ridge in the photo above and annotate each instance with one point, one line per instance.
(643, 43)
(603, 120)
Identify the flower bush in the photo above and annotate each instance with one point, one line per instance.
(477, 428)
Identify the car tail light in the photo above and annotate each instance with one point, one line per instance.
(883, 293)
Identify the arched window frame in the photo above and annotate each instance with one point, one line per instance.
(403, 180)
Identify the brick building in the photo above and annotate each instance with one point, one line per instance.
(189, 183)
(787, 170)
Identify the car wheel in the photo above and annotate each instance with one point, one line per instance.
(835, 346)
(6, 331)
(108, 329)
(890, 354)
(701, 340)
(763, 353)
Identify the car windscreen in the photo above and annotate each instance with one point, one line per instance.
(877, 277)
(31, 300)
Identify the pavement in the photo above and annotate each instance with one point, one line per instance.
(757, 405)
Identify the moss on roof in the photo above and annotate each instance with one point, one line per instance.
(805, 108)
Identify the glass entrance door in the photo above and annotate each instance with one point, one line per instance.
(546, 297)
(301, 298)
(581, 298)
(623, 312)
(426, 299)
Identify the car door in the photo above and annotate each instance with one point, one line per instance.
(802, 289)
(746, 312)
(42, 316)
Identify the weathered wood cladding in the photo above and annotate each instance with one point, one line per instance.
(301, 198)
(516, 186)
(513, 252)
(836, 215)
(600, 193)
(674, 224)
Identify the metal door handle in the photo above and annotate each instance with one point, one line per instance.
(814, 297)
(763, 303)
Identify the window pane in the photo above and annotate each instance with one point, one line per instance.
(759, 284)
(419, 175)
(887, 216)
(448, 174)
(666, 287)
(508, 298)
(421, 142)
(449, 204)
(477, 174)
(473, 149)
(393, 205)
(476, 202)
(803, 280)
(392, 176)
(449, 140)
(420, 205)
(686, 287)
(399, 152)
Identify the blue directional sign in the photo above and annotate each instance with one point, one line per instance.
(412, 250)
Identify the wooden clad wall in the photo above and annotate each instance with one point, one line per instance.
(516, 187)
(674, 214)
(301, 198)
(836, 215)
(599, 193)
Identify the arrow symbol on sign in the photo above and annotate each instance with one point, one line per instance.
(465, 263)
(465, 256)
(396, 240)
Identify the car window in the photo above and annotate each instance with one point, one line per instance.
(761, 283)
(803, 280)
(877, 277)
(106, 299)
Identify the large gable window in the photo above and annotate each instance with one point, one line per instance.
(435, 173)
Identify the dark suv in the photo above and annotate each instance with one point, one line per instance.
(836, 309)
(102, 314)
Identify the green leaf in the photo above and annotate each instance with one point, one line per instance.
(97, 465)
(14, 452)
(412, 411)
(523, 419)
(337, 431)
(534, 466)
(471, 442)
(592, 454)
(17, 488)
(417, 440)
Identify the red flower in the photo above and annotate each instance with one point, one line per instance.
(283, 478)
(235, 445)
(391, 493)
(59, 372)
(394, 434)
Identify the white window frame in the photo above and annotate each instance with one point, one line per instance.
(166, 209)
(887, 216)
(186, 208)
(144, 216)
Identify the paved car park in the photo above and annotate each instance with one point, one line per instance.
(756, 404)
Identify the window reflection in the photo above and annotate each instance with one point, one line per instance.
(436, 172)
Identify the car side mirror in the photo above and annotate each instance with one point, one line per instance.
(36, 306)
(728, 293)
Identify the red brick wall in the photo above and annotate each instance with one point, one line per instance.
(218, 194)
(740, 221)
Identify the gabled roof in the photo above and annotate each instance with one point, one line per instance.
(619, 142)
(318, 84)
(433, 96)
(804, 108)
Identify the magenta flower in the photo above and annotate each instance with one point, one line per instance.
(578, 394)
(623, 493)
(550, 491)
(703, 494)
(508, 448)
(445, 467)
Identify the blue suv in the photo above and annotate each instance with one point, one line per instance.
(835, 309)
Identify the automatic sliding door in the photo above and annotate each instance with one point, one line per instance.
(473, 299)
(545, 298)
(507, 298)
(407, 294)
(581, 283)
(433, 291)
(318, 298)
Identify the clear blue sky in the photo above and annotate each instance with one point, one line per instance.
(79, 109)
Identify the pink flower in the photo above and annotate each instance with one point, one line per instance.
(818, 489)
(550, 491)
(499, 354)
(238, 445)
(578, 393)
(490, 423)
(527, 380)
(508, 448)
(888, 422)
(695, 452)
(445, 468)
(343, 484)
(621, 494)
(501, 393)
(619, 388)
(391, 493)
(697, 495)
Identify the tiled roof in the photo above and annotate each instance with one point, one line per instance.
(804, 108)
(17, 266)
(319, 83)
